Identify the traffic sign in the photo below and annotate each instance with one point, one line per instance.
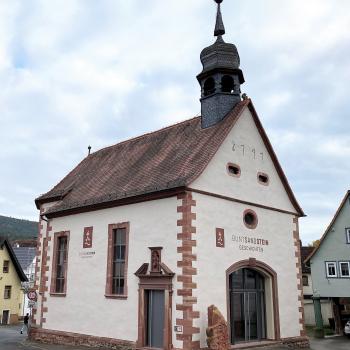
(32, 295)
(31, 303)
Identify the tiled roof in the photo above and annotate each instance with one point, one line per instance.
(166, 159)
(305, 252)
(25, 256)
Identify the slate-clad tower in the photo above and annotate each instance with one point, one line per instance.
(220, 78)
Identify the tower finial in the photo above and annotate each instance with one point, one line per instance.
(219, 26)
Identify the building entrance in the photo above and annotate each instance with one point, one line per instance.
(155, 318)
(5, 317)
(247, 306)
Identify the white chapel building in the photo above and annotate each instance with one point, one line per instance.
(143, 236)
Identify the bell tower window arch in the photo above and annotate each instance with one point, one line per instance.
(209, 86)
(227, 84)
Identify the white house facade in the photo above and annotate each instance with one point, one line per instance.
(142, 237)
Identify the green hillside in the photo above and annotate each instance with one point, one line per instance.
(18, 228)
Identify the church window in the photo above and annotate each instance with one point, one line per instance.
(209, 86)
(60, 263)
(344, 269)
(331, 269)
(250, 219)
(234, 169)
(6, 266)
(263, 179)
(116, 285)
(227, 84)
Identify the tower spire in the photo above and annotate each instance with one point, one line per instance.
(221, 77)
(219, 26)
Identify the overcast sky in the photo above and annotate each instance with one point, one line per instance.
(74, 73)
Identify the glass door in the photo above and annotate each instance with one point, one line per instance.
(247, 306)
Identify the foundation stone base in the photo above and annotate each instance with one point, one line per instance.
(297, 342)
(67, 338)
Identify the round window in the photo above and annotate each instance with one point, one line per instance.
(250, 219)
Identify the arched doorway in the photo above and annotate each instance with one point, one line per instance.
(253, 312)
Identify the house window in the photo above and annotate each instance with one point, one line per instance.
(118, 241)
(60, 263)
(6, 266)
(331, 269)
(347, 232)
(305, 280)
(344, 269)
(7, 292)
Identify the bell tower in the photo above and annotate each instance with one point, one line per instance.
(221, 77)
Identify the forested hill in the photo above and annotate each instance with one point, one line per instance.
(17, 228)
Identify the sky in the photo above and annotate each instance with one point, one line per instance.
(75, 73)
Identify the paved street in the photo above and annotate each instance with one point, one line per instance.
(11, 339)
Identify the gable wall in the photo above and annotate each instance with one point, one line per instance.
(244, 147)
(333, 248)
(14, 304)
(212, 261)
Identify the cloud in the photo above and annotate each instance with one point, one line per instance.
(78, 72)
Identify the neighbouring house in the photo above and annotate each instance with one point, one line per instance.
(143, 236)
(26, 257)
(330, 265)
(11, 276)
(326, 304)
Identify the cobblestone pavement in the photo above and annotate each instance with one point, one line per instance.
(11, 339)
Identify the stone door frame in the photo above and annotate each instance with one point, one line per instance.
(161, 280)
(265, 269)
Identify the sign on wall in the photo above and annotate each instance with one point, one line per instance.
(242, 242)
(87, 239)
(220, 238)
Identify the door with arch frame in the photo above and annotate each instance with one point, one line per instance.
(252, 302)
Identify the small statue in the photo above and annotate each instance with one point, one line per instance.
(155, 260)
(217, 331)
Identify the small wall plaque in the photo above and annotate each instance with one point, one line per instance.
(87, 240)
(178, 329)
(220, 238)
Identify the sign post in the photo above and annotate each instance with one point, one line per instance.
(32, 299)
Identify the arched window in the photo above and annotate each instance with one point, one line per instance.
(209, 86)
(227, 84)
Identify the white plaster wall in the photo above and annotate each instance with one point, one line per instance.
(326, 309)
(246, 187)
(307, 290)
(85, 308)
(213, 262)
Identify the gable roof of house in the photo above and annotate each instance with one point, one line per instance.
(329, 226)
(25, 256)
(167, 159)
(5, 243)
